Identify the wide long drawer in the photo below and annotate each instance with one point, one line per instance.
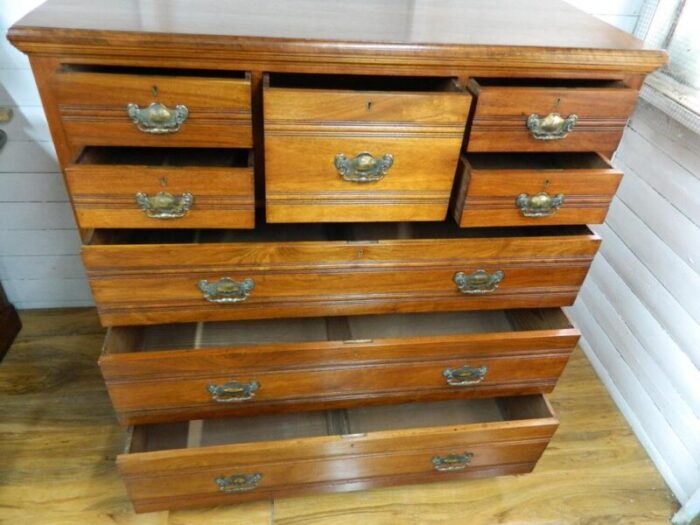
(190, 371)
(182, 465)
(437, 267)
(140, 107)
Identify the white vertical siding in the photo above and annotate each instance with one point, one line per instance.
(639, 309)
(39, 245)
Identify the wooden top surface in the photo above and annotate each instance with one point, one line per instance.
(389, 25)
(550, 23)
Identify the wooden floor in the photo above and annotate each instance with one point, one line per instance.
(59, 438)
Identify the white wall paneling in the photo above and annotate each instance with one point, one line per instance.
(639, 309)
(39, 245)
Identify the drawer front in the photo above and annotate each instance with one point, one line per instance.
(153, 284)
(580, 119)
(188, 111)
(529, 197)
(361, 157)
(151, 197)
(173, 385)
(183, 478)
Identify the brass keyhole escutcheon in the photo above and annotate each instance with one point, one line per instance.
(369, 105)
(154, 91)
(163, 181)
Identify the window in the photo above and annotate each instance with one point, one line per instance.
(673, 25)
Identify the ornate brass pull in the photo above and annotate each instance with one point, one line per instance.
(233, 391)
(452, 462)
(226, 290)
(157, 118)
(363, 167)
(238, 482)
(539, 205)
(465, 375)
(164, 205)
(479, 282)
(551, 127)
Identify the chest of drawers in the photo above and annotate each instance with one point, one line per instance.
(332, 240)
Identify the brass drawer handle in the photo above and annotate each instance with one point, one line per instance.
(226, 290)
(157, 118)
(164, 205)
(233, 391)
(479, 282)
(551, 127)
(539, 205)
(238, 483)
(452, 462)
(465, 375)
(363, 167)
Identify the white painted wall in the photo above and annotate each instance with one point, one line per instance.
(639, 309)
(39, 245)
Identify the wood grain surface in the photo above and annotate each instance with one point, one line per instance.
(488, 186)
(157, 283)
(93, 113)
(57, 424)
(103, 192)
(502, 111)
(170, 384)
(395, 36)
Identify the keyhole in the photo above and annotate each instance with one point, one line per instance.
(163, 182)
(154, 91)
(546, 184)
(556, 102)
(369, 105)
(360, 253)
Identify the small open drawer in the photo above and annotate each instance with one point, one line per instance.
(549, 114)
(521, 189)
(160, 107)
(182, 465)
(342, 148)
(192, 371)
(163, 188)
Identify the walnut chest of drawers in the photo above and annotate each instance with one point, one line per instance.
(332, 240)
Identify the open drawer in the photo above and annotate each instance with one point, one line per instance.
(549, 114)
(190, 371)
(182, 465)
(165, 276)
(162, 107)
(520, 189)
(162, 188)
(342, 148)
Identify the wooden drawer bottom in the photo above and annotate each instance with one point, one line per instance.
(193, 464)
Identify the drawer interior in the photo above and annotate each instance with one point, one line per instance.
(360, 232)
(363, 328)
(537, 161)
(361, 83)
(548, 83)
(365, 420)
(165, 157)
(151, 71)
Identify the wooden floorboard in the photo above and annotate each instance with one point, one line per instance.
(59, 438)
